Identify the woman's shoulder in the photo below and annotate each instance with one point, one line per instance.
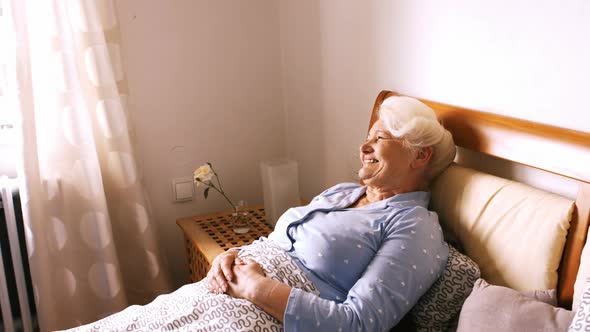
(419, 219)
(418, 214)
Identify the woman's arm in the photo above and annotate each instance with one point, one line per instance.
(251, 284)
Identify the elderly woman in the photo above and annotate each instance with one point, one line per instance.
(371, 250)
(358, 257)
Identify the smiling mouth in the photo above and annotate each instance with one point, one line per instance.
(371, 161)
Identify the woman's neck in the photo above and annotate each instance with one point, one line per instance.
(373, 195)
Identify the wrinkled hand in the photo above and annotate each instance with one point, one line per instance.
(247, 273)
(221, 271)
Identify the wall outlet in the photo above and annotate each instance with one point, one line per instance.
(183, 189)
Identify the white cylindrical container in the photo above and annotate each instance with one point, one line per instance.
(280, 185)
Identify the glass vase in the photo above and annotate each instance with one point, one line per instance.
(241, 218)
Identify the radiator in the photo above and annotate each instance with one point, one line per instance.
(15, 282)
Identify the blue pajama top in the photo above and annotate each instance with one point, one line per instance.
(370, 264)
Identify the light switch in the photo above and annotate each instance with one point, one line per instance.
(183, 189)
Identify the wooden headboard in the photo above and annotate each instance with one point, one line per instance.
(556, 150)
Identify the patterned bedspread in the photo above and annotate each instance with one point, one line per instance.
(193, 308)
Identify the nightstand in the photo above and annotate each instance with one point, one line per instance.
(207, 236)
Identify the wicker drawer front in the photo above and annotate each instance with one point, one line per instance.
(197, 262)
(209, 235)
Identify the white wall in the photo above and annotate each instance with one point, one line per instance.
(204, 82)
(527, 59)
(305, 75)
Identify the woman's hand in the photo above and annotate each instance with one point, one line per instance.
(250, 283)
(221, 271)
(248, 274)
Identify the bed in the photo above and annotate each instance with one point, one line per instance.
(523, 242)
(556, 150)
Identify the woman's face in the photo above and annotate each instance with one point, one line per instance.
(386, 163)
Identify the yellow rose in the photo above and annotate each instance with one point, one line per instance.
(203, 174)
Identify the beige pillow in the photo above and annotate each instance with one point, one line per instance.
(497, 309)
(514, 232)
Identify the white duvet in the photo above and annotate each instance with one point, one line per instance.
(193, 308)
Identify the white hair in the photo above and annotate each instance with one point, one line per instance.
(416, 124)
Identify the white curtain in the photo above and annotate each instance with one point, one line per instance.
(91, 239)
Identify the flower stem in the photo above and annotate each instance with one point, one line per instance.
(220, 190)
(217, 178)
(234, 207)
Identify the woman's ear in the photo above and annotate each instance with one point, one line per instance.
(422, 158)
